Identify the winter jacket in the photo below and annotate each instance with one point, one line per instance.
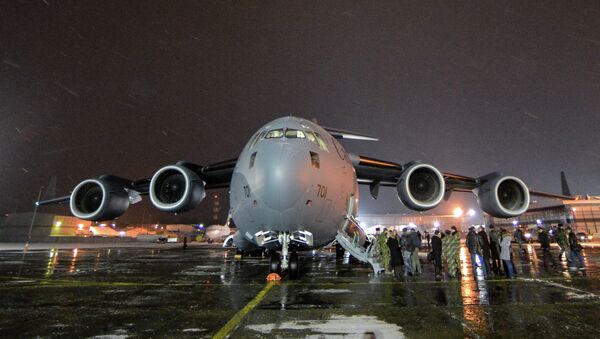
(544, 239)
(574, 243)
(473, 242)
(484, 243)
(414, 236)
(406, 243)
(436, 245)
(562, 238)
(505, 247)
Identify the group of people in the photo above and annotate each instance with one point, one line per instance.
(567, 242)
(491, 252)
(400, 252)
(493, 248)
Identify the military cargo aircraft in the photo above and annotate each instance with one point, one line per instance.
(293, 188)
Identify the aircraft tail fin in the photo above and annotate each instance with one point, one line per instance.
(564, 184)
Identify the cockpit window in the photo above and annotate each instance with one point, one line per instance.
(321, 142)
(274, 134)
(294, 134)
(311, 136)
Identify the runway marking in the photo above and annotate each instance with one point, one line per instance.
(237, 318)
(583, 292)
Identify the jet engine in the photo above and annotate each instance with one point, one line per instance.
(503, 196)
(176, 188)
(99, 199)
(421, 187)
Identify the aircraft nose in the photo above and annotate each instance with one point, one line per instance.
(285, 174)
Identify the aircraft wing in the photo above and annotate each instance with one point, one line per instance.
(217, 175)
(376, 172)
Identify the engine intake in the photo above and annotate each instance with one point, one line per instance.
(421, 187)
(503, 196)
(98, 199)
(176, 188)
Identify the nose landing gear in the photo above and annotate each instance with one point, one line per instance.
(285, 261)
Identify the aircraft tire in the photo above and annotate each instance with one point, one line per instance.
(339, 251)
(275, 263)
(294, 266)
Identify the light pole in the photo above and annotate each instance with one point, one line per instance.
(33, 217)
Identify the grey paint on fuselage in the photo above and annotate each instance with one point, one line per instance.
(282, 191)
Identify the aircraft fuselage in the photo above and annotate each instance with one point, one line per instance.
(292, 177)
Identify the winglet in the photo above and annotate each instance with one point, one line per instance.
(342, 134)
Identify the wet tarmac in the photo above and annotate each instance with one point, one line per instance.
(202, 292)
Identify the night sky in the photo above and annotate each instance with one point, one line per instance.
(124, 87)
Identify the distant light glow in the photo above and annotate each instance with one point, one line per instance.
(538, 221)
(58, 223)
(527, 235)
(515, 223)
(436, 224)
(80, 227)
(102, 225)
(471, 212)
(122, 233)
(412, 224)
(458, 212)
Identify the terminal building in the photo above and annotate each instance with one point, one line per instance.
(374, 223)
(583, 214)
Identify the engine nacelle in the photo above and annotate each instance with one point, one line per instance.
(503, 196)
(421, 187)
(98, 199)
(176, 188)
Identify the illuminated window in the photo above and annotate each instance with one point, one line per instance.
(274, 134)
(314, 160)
(294, 134)
(321, 142)
(311, 136)
(252, 158)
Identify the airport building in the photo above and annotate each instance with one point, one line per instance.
(16, 227)
(581, 214)
(373, 223)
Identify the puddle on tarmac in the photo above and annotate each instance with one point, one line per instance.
(337, 326)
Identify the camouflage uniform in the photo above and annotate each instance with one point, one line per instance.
(450, 250)
(563, 242)
(384, 249)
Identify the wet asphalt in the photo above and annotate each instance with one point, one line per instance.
(202, 291)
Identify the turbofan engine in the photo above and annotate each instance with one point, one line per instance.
(176, 188)
(503, 196)
(421, 187)
(98, 199)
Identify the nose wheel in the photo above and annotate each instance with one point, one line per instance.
(275, 263)
(294, 266)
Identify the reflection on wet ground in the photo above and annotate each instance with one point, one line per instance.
(135, 292)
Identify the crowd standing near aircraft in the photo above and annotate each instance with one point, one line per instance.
(293, 188)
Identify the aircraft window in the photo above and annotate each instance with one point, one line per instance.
(274, 134)
(321, 142)
(314, 160)
(252, 158)
(310, 136)
(294, 133)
